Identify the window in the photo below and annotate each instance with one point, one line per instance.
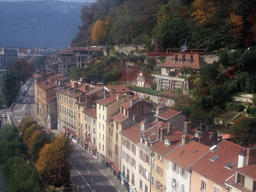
(141, 184)
(133, 179)
(146, 188)
(128, 174)
(94, 121)
(99, 115)
(99, 125)
(216, 189)
(183, 172)
(102, 147)
(153, 165)
(134, 149)
(127, 158)
(159, 157)
(103, 127)
(99, 106)
(103, 117)
(116, 149)
(123, 170)
(182, 188)
(159, 185)
(159, 170)
(146, 174)
(133, 163)
(141, 170)
(102, 108)
(103, 137)
(153, 180)
(203, 185)
(174, 167)
(215, 158)
(174, 183)
(99, 145)
(99, 135)
(240, 179)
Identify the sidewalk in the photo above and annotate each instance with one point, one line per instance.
(104, 170)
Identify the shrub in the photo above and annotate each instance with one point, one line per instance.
(234, 107)
(252, 111)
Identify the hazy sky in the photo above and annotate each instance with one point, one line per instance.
(83, 1)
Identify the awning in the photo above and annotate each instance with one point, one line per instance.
(127, 180)
(115, 169)
(94, 147)
(70, 132)
(108, 160)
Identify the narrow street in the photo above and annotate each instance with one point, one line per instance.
(90, 174)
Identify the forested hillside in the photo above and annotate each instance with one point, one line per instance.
(209, 24)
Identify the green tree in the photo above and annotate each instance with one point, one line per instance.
(22, 176)
(10, 86)
(244, 130)
(26, 122)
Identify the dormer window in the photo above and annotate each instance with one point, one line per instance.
(230, 165)
(240, 179)
(215, 158)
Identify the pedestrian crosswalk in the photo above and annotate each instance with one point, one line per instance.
(19, 118)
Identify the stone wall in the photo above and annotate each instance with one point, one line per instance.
(155, 99)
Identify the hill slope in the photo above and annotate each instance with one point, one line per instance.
(39, 23)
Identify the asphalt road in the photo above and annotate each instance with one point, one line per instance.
(87, 173)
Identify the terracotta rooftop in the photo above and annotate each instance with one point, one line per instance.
(51, 98)
(196, 63)
(133, 133)
(185, 155)
(53, 77)
(117, 89)
(91, 112)
(94, 90)
(168, 114)
(109, 100)
(119, 117)
(45, 85)
(249, 171)
(127, 104)
(213, 165)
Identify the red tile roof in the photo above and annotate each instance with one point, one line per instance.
(119, 117)
(91, 112)
(185, 155)
(127, 104)
(117, 89)
(53, 77)
(216, 171)
(51, 98)
(45, 85)
(109, 100)
(197, 62)
(248, 171)
(168, 114)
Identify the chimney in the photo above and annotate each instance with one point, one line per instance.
(250, 156)
(104, 94)
(169, 127)
(241, 159)
(143, 125)
(185, 139)
(117, 96)
(187, 126)
(134, 119)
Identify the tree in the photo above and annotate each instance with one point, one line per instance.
(99, 32)
(244, 130)
(29, 131)
(37, 141)
(204, 10)
(21, 176)
(24, 69)
(47, 157)
(26, 122)
(174, 33)
(62, 145)
(10, 86)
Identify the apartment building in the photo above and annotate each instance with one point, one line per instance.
(161, 150)
(218, 165)
(72, 100)
(106, 107)
(75, 56)
(179, 161)
(176, 118)
(129, 113)
(244, 178)
(45, 99)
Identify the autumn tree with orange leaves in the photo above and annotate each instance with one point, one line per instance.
(99, 31)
